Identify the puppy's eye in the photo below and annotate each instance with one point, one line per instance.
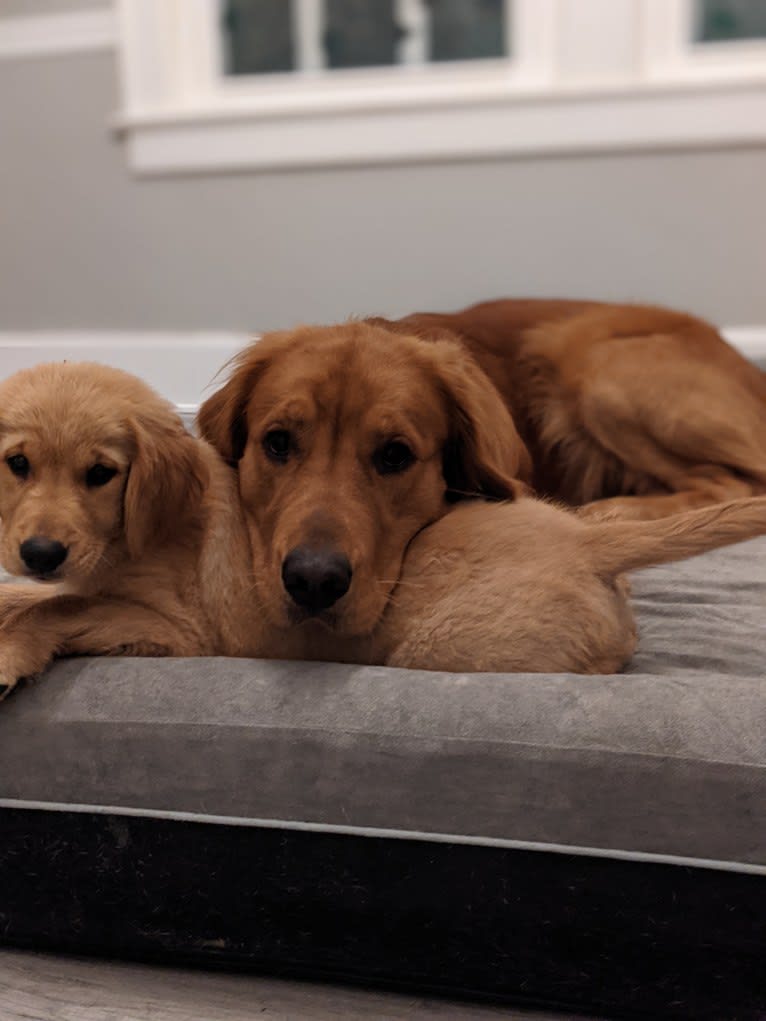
(393, 457)
(99, 475)
(19, 465)
(276, 445)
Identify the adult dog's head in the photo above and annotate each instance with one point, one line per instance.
(93, 465)
(349, 440)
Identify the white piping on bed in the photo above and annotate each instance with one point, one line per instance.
(616, 854)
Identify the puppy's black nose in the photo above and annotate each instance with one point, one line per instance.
(42, 555)
(316, 578)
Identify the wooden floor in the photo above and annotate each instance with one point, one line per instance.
(39, 987)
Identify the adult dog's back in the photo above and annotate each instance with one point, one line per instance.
(643, 406)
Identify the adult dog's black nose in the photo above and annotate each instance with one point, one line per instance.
(42, 555)
(316, 578)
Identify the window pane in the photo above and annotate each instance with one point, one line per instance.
(722, 20)
(467, 29)
(360, 33)
(258, 36)
(263, 36)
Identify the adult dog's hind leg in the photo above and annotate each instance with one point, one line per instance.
(661, 505)
(688, 429)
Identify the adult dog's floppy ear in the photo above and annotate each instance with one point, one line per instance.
(222, 419)
(165, 483)
(484, 455)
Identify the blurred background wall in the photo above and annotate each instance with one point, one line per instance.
(86, 243)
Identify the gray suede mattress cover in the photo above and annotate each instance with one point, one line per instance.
(667, 759)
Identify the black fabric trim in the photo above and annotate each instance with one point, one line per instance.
(622, 938)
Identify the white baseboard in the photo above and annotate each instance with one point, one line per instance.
(186, 367)
(748, 340)
(43, 35)
(181, 366)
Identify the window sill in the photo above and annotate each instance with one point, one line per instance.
(480, 121)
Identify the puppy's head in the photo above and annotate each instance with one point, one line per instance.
(349, 440)
(93, 465)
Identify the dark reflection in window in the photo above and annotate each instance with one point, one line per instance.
(467, 29)
(360, 33)
(259, 36)
(722, 20)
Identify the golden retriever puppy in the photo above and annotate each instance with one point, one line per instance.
(348, 441)
(131, 526)
(531, 587)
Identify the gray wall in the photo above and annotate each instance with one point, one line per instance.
(85, 244)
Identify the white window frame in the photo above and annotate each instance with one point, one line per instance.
(172, 60)
(673, 56)
(182, 114)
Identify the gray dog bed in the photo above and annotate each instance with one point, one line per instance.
(594, 843)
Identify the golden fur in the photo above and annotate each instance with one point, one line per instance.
(645, 407)
(342, 393)
(161, 561)
(585, 401)
(154, 554)
(531, 587)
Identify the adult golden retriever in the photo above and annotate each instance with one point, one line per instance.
(349, 439)
(130, 534)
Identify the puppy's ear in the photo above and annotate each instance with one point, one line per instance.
(484, 455)
(165, 484)
(222, 419)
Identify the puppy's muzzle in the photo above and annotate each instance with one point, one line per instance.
(42, 555)
(316, 578)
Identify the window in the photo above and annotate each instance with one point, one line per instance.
(233, 84)
(266, 36)
(259, 37)
(718, 21)
(707, 40)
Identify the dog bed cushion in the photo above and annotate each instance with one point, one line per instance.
(577, 842)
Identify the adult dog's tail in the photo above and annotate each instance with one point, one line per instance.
(620, 546)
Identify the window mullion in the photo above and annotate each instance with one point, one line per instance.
(414, 17)
(308, 29)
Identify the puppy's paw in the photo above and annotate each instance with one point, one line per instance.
(8, 685)
(16, 664)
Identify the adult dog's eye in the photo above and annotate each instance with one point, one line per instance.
(393, 457)
(276, 445)
(19, 465)
(99, 475)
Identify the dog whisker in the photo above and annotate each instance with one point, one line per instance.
(400, 581)
(471, 495)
